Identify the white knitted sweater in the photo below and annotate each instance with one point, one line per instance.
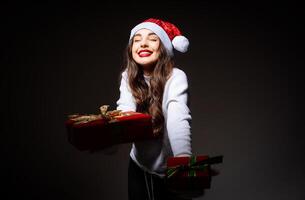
(151, 155)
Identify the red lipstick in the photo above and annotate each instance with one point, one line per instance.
(144, 53)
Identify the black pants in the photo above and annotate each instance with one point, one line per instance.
(146, 186)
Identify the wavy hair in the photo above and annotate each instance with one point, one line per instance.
(149, 98)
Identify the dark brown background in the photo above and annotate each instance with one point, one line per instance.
(244, 69)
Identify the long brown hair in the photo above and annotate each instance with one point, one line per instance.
(149, 98)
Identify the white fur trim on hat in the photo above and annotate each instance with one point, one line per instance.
(181, 43)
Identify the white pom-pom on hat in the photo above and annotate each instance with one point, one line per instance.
(181, 43)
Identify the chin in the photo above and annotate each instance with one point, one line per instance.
(144, 63)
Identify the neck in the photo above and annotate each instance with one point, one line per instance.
(148, 69)
(148, 72)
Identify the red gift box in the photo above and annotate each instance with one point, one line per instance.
(93, 132)
(181, 175)
(190, 173)
(187, 177)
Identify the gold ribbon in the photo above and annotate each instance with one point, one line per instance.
(109, 116)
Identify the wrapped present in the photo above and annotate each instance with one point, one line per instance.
(96, 132)
(190, 174)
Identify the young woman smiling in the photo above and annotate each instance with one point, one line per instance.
(150, 83)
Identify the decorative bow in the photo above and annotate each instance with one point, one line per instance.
(108, 116)
(193, 166)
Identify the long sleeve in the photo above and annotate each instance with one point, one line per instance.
(126, 101)
(178, 114)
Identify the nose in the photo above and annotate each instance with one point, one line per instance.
(144, 43)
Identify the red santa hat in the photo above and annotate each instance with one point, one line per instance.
(168, 33)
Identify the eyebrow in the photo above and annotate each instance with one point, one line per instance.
(149, 34)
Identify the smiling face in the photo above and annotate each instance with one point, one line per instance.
(145, 49)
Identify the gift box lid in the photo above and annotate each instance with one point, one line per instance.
(84, 120)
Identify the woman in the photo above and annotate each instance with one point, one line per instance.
(150, 83)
